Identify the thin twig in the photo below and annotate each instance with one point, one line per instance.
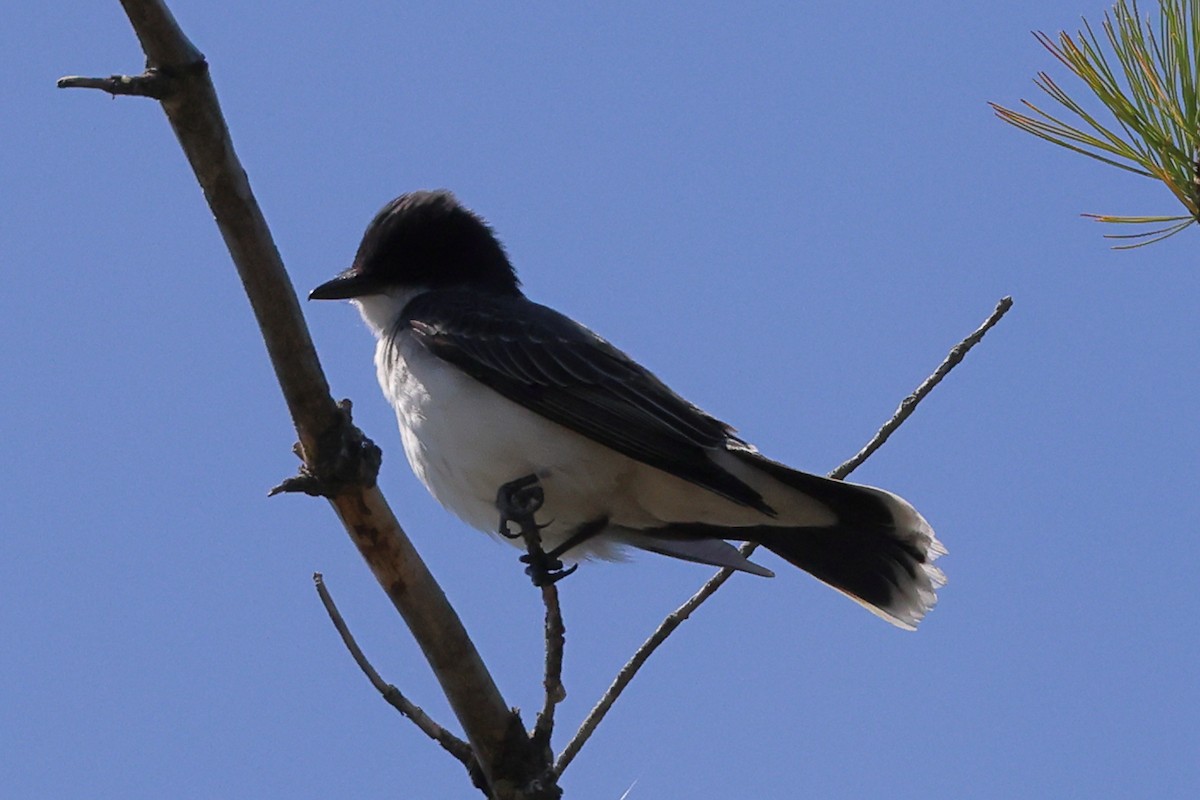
(519, 501)
(449, 742)
(148, 84)
(552, 682)
(676, 617)
(673, 621)
(909, 404)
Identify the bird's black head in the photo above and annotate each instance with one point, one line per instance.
(424, 240)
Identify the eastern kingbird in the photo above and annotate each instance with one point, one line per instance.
(490, 387)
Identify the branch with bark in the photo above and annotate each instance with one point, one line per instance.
(336, 457)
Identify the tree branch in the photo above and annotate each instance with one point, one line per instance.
(148, 84)
(177, 75)
(909, 404)
(518, 501)
(449, 742)
(552, 682)
(677, 617)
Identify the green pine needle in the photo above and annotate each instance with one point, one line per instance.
(1147, 78)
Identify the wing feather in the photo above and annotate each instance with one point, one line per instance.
(554, 366)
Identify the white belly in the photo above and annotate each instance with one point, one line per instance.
(464, 441)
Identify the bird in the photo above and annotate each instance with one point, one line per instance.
(492, 390)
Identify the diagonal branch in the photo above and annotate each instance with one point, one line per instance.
(177, 74)
(449, 742)
(677, 617)
(909, 404)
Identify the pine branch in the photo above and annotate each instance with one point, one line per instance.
(1149, 86)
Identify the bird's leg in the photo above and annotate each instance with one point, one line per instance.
(518, 501)
(584, 532)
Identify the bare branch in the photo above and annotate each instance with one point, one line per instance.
(148, 84)
(496, 734)
(552, 682)
(451, 743)
(909, 404)
(672, 621)
(677, 617)
(518, 501)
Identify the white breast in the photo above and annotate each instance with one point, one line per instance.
(464, 441)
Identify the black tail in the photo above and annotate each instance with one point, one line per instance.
(885, 573)
(876, 549)
(880, 552)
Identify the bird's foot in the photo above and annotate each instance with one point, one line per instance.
(518, 501)
(544, 569)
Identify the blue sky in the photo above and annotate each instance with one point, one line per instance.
(789, 212)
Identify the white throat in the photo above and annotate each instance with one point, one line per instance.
(380, 311)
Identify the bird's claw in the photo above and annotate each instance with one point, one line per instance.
(544, 569)
(517, 502)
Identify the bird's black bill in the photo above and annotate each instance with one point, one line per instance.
(348, 284)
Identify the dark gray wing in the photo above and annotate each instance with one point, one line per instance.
(554, 366)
